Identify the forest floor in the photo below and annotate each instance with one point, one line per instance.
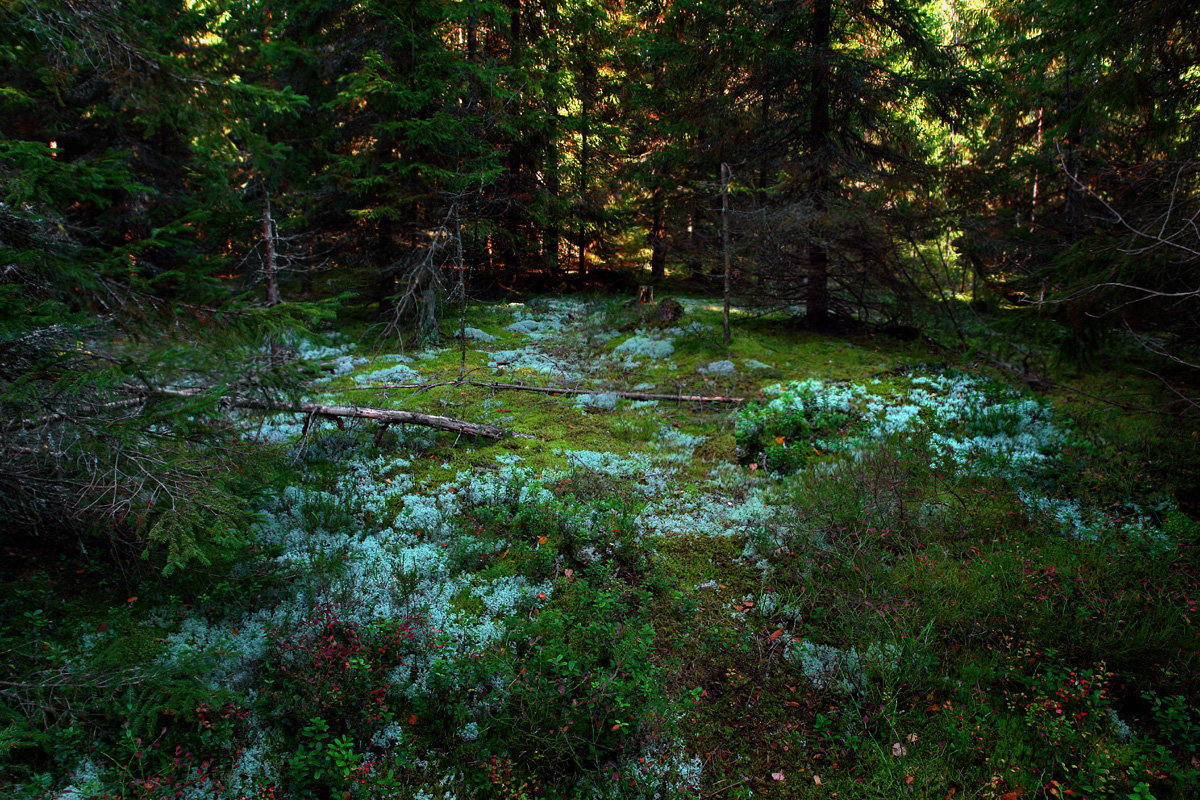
(880, 576)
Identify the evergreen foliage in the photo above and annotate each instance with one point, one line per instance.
(209, 209)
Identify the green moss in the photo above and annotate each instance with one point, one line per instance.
(133, 645)
(941, 571)
(468, 602)
(721, 448)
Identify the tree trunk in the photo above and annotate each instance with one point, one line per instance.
(725, 177)
(817, 291)
(554, 390)
(384, 254)
(385, 415)
(585, 90)
(763, 158)
(552, 233)
(511, 252)
(1033, 204)
(658, 227)
(270, 235)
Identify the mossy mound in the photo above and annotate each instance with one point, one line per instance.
(721, 448)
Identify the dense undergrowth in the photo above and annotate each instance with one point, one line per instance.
(881, 577)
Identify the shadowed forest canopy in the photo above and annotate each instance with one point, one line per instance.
(251, 152)
(603, 296)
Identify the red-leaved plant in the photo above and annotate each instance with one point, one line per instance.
(338, 669)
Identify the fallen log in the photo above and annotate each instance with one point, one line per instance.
(386, 416)
(383, 415)
(552, 390)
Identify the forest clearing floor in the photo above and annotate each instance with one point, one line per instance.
(880, 577)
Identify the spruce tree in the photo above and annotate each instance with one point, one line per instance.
(111, 207)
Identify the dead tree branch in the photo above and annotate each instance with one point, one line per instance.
(553, 390)
(386, 416)
(1174, 231)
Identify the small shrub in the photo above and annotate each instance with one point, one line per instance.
(337, 670)
(584, 691)
(783, 436)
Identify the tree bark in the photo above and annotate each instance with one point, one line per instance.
(658, 229)
(817, 291)
(552, 233)
(725, 177)
(270, 234)
(386, 275)
(386, 416)
(512, 252)
(552, 390)
(585, 97)
(658, 192)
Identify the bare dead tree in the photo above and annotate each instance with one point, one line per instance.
(276, 256)
(423, 281)
(270, 232)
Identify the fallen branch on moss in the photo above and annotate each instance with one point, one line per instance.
(385, 416)
(552, 390)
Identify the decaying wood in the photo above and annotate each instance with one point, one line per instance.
(726, 176)
(386, 416)
(383, 415)
(552, 390)
(337, 413)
